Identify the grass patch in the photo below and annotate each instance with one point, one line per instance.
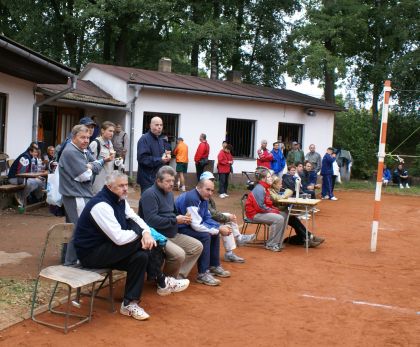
(371, 186)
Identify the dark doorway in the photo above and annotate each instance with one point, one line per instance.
(3, 99)
(170, 125)
(289, 132)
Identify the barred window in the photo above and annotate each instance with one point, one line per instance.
(170, 125)
(240, 133)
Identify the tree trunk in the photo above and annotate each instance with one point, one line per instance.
(106, 56)
(236, 56)
(329, 76)
(375, 98)
(214, 45)
(194, 58)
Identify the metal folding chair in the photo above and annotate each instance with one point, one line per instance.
(247, 221)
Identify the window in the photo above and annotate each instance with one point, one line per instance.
(2, 120)
(240, 134)
(288, 133)
(170, 125)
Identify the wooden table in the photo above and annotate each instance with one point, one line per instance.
(308, 204)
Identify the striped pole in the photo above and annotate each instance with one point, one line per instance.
(381, 157)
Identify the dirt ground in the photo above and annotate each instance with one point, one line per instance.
(339, 294)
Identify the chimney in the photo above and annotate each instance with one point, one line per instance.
(165, 65)
(234, 76)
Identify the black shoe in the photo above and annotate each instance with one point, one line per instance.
(318, 239)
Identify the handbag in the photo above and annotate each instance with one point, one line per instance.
(53, 194)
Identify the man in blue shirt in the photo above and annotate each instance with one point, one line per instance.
(400, 176)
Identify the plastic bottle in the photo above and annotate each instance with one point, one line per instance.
(33, 165)
(40, 166)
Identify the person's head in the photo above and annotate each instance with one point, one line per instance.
(32, 145)
(263, 174)
(107, 130)
(276, 146)
(165, 178)
(276, 185)
(179, 140)
(80, 136)
(312, 148)
(308, 165)
(263, 144)
(299, 167)
(330, 150)
(400, 166)
(207, 175)
(50, 151)
(117, 182)
(228, 148)
(89, 123)
(224, 144)
(295, 145)
(156, 126)
(205, 188)
(203, 137)
(292, 169)
(118, 128)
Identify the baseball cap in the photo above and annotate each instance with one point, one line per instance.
(206, 175)
(86, 121)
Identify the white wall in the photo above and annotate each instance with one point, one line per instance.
(208, 114)
(20, 100)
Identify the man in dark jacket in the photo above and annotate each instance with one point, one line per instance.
(327, 173)
(157, 208)
(151, 154)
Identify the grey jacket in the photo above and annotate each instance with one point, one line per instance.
(315, 159)
(75, 180)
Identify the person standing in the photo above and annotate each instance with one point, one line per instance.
(295, 155)
(327, 172)
(120, 142)
(151, 154)
(224, 164)
(181, 155)
(278, 162)
(314, 158)
(101, 148)
(76, 169)
(264, 156)
(201, 157)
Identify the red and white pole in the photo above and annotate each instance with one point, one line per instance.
(381, 157)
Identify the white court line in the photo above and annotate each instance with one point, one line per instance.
(358, 302)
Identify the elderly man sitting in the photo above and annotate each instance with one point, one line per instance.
(109, 234)
(205, 229)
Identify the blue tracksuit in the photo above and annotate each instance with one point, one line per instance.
(327, 173)
(278, 162)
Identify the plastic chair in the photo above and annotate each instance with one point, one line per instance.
(248, 221)
(72, 277)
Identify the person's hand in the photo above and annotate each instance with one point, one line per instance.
(89, 166)
(147, 241)
(311, 187)
(225, 230)
(181, 219)
(110, 158)
(232, 218)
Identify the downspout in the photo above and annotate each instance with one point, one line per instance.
(37, 105)
(137, 89)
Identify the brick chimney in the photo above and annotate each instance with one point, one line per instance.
(165, 65)
(234, 76)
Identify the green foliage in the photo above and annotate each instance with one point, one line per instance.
(415, 169)
(354, 132)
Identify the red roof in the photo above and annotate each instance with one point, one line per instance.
(178, 82)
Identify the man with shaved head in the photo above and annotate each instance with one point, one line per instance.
(151, 154)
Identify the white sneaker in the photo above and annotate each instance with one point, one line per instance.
(222, 196)
(326, 197)
(173, 286)
(134, 311)
(333, 198)
(407, 186)
(401, 186)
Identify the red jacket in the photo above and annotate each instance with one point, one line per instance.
(252, 207)
(224, 160)
(203, 151)
(264, 158)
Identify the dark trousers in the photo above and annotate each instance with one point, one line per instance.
(223, 183)
(199, 169)
(399, 180)
(211, 246)
(300, 229)
(327, 188)
(129, 257)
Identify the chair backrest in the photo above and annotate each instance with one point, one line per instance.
(4, 165)
(243, 201)
(57, 235)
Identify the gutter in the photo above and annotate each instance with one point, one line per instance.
(37, 105)
(93, 104)
(235, 96)
(137, 88)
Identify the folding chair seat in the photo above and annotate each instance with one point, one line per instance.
(71, 277)
(247, 221)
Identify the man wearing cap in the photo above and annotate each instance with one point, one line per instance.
(264, 156)
(157, 208)
(151, 154)
(295, 155)
(236, 238)
(314, 158)
(181, 153)
(205, 229)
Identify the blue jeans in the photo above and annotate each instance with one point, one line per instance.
(211, 247)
